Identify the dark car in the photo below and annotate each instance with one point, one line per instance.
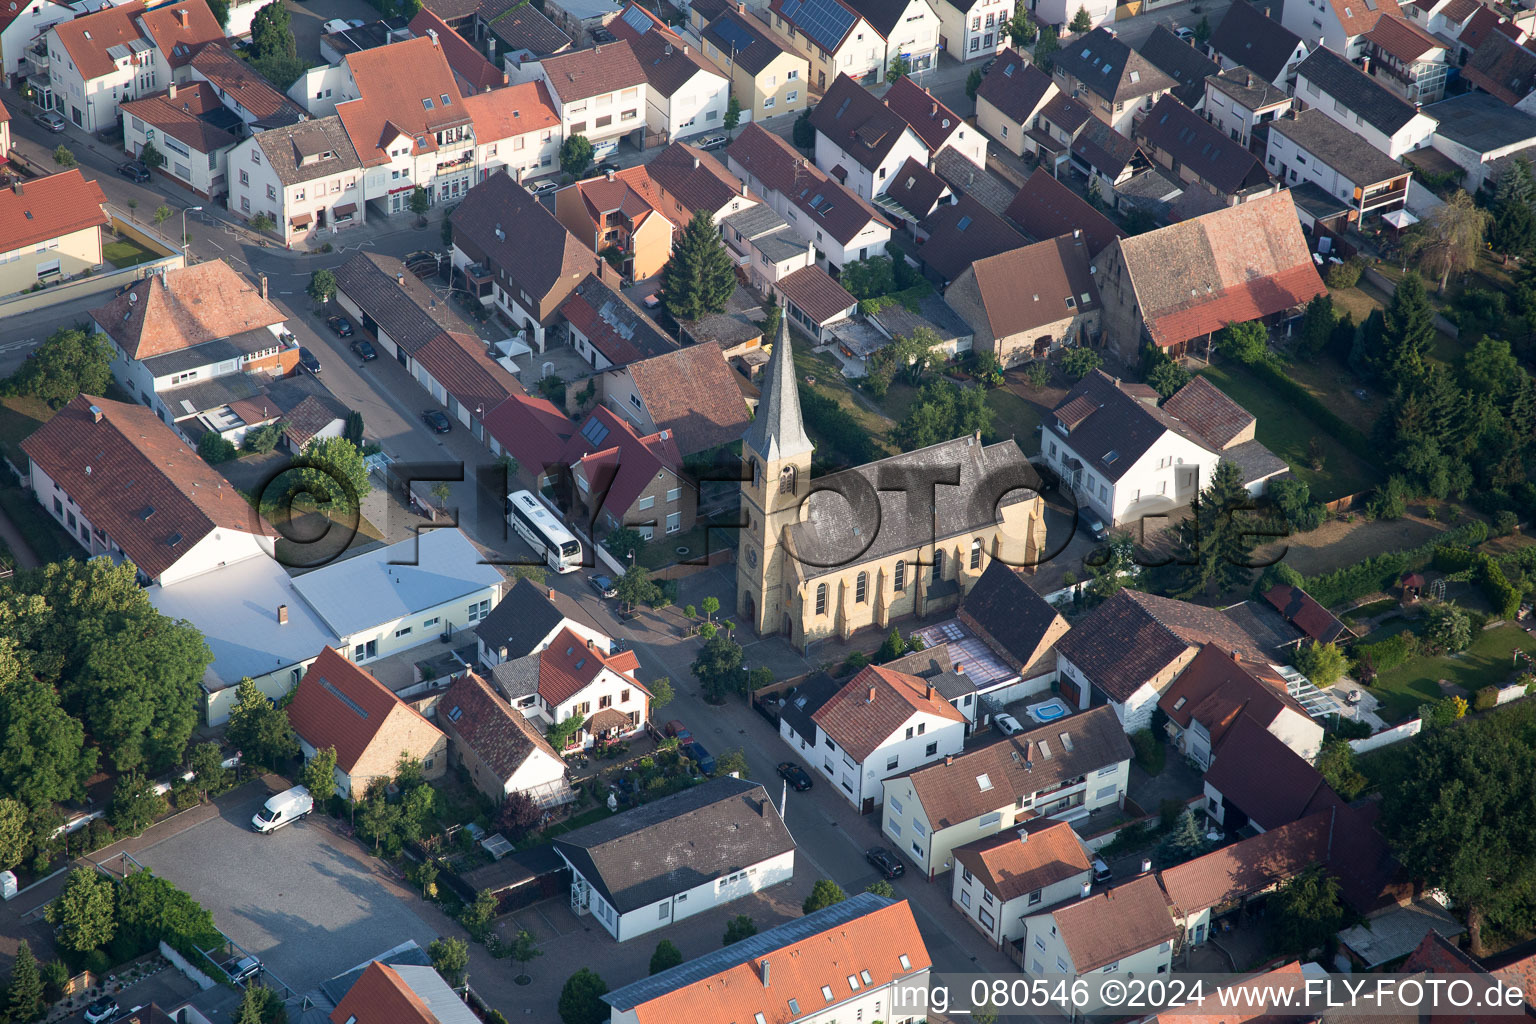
(340, 326)
(437, 420)
(706, 760)
(885, 861)
(365, 350)
(1093, 523)
(308, 361)
(133, 170)
(606, 167)
(103, 1009)
(796, 776)
(988, 65)
(603, 585)
(678, 730)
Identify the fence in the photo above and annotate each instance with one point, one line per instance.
(1348, 502)
(1387, 737)
(1508, 693)
(181, 963)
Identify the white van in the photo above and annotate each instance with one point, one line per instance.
(283, 809)
(1007, 724)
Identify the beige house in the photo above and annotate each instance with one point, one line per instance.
(340, 705)
(827, 564)
(1004, 877)
(1029, 302)
(54, 230)
(768, 76)
(503, 751)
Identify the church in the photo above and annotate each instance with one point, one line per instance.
(907, 535)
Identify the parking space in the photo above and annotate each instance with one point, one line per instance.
(303, 899)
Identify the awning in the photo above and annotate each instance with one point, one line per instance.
(301, 220)
(1400, 219)
(345, 210)
(840, 173)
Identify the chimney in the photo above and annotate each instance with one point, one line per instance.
(1146, 865)
(1365, 64)
(949, 759)
(16, 186)
(610, 175)
(959, 668)
(170, 91)
(933, 110)
(1236, 654)
(763, 972)
(1250, 81)
(1023, 835)
(743, 188)
(870, 699)
(695, 163)
(550, 591)
(282, 615)
(1086, 886)
(263, 280)
(95, 414)
(181, 17)
(930, 691)
(400, 278)
(685, 49)
(589, 643)
(741, 8)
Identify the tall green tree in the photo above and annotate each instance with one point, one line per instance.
(1317, 326)
(700, 275)
(666, 956)
(258, 728)
(1246, 341)
(575, 155)
(1450, 238)
(1045, 49)
(135, 804)
(972, 85)
(85, 912)
(581, 999)
(1081, 21)
(825, 893)
(220, 11)
(1407, 332)
(322, 285)
(525, 950)
(330, 471)
(636, 587)
(1321, 663)
(26, 988)
(739, 927)
(272, 33)
(43, 756)
(1305, 911)
(320, 774)
(943, 410)
(1183, 842)
(450, 959)
(15, 832)
(207, 764)
(718, 668)
(71, 362)
(1215, 540)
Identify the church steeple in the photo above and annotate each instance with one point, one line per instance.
(778, 432)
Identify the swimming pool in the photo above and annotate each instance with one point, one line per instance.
(1048, 711)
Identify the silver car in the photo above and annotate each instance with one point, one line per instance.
(53, 122)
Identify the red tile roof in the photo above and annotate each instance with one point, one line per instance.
(178, 116)
(874, 704)
(570, 663)
(182, 308)
(1115, 923)
(340, 705)
(460, 364)
(816, 294)
(133, 477)
(178, 29)
(1265, 780)
(473, 70)
(602, 69)
(381, 997)
(246, 86)
(623, 463)
(1208, 410)
(480, 718)
(630, 192)
(1215, 690)
(1403, 39)
(1359, 17)
(50, 207)
(531, 430)
(1021, 860)
(395, 83)
(835, 208)
(1241, 1009)
(1301, 609)
(692, 392)
(515, 110)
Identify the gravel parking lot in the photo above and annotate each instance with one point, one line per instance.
(303, 899)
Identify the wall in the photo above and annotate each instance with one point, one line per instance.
(705, 897)
(1418, 132)
(1045, 951)
(180, 963)
(966, 896)
(87, 287)
(1387, 737)
(964, 31)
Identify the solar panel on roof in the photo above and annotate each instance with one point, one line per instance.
(735, 35)
(594, 431)
(637, 19)
(824, 21)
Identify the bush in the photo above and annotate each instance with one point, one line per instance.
(1078, 362)
(1151, 754)
(1485, 699)
(1451, 560)
(1168, 811)
(1344, 275)
(1351, 729)
(1382, 572)
(214, 449)
(1388, 654)
(1501, 594)
(96, 962)
(1505, 522)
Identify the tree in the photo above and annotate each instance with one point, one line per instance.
(135, 804)
(1305, 911)
(478, 916)
(732, 114)
(666, 956)
(1336, 764)
(805, 138)
(15, 832)
(1513, 231)
(1113, 567)
(825, 893)
(869, 277)
(1021, 27)
(518, 816)
(322, 285)
(259, 222)
(898, 69)
(419, 201)
(220, 9)
(320, 775)
(625, 543)
(330, 472)
(264, 438)
(64, 156)
(1214, 542)
(880, 887)
(450, 959)
(1183, 842)
(215, 449)
(893, 647)
(1407, 332)
(561, 732)
(150, 156)
(272, 33)
(1078, 362)
(1447, 628)
(733, 761)
(525, 950)
(1451, 237)
(943, 410)
(972, 85)
(252, 1005)
(71, 362)
(1321, 663)
(700, 275)
(636, 587)
(26, 988)
(1246, 341)
(1045, 49)
(1081, 21)
(207, 764)
(718, 668)
(738, 928)
(1203, 31)
(581, 1000)
(575, 155)
(43, 756)
(661, 692)
(85, 911)
(150, 909)
(1489, 368)
(258, 729)
(1165, 375)
(1317, 326)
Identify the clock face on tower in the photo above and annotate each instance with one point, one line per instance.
(752, 557)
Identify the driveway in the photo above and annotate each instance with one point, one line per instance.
(303, 899)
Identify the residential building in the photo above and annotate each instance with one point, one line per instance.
(300, 403)
(503, 752)
(527, 620)
(1476, 131)
(687, 94)
(689, 392)
(1408, 59)
(619, 211)
(1238, 101)
(585, 21)
(1357, 101)
(306, 177)
(471, 71)
(1216, 689)
(578, 675)
(623, 478)
(533, 431)
(914, 194)
(1057, 125)
(126, 486)
(836, 38)
(1146, 282)
(191, 130)
(837, 221)
(1339, 26)
(1061, 771)
(607, 329)
(1106, 157)
(24, 46)
(1113, 80)
(1028, 302)
(1015, 622)
(1504, 69)
(524, 34)
(600, 93)
(1059, 13)
(1248, 37)
(1045, 208)
(769, 76)
(517, 257)
(1309, 145)
(1003, 877)
(1302, 610)
(1183, 63)
(860, 141)
(958, 234)
(765, 246)
(938, 126)
(693, 180)
(1126, 928)
(973, 29)
(516, 131)
(677, 857)
(1439, 954)
(796, 572)
(257, 103)
(1196, 153)
(851, 961)
(342, 707)
(52, 230)
(910, 29)
(814, 301)
(122, 53)
(400, 994)
(1255, 779)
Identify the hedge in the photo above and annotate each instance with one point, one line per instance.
(1453, 560)
(1311, 406)
(1383, 571)
(1502, 594)
(1387, 654)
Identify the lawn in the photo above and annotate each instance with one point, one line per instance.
(20, 416)
(830, 383)
(1486, 663)
(310, 539)
(1335, 386)
(125, 252)
(42, 533)
(1013, 417)
(1287, 433)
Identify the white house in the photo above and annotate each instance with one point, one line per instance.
(1215, 689)
(685, 94)
(860, 141)
(307, 177)
(676, 857)
(1338, 25)
(190, 128)
(1308, 145)
(1357, 101)
(1239, 100)
(1126, 929)
(578, 675)
(973, 29)
(516, 131)
(858, 960)
(527, 620)
(250, 97)
(1002, 879)
(1063, 771)
(910, 28)
(938, 126)
(1256, 780)
(503, 752)
(600, 94)
(19, 32)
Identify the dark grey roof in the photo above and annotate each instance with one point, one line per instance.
(518, 677)
(1255, 461)
(805, 699)
(960, 174)
(397, 301)
(209, 352)
(323, 135)
(1108, 67)
(1198, 146)
(1180, 62)
(854, 121)
(1151, 185)
(525, 616)
(745, 40)
(757, 219)
(750, 949)
(1110, 429)
(961, 233)
(210, 394)
(524, 28)
(1106, 150)
(1317, 202)
(1245, 36)
(778, 431)
(1356, 91)
(1336, 146)
(1014, 86)
(932, 312)
(885, 15)
(1482, 122)
(1010, 611)
(681, 841)
(1248, 87)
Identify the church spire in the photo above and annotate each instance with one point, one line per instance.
(778, 432)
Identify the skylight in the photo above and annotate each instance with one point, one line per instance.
(1180, 703)
(1110, 457)
(965, 222)
(1008, 71)
(826, 992)
(426, 102)
(330, 688)
(864, 975)
(1135, 77)
(794, 1007)
(1045, 749)
(447, 100)
(454, 713)
(984, 781)
(906, 964)
(853, 983)
(1066, 741)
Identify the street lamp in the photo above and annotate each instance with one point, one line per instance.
(199, 209)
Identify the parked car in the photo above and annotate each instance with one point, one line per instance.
(437, 420)
(308, 361)
(885, 861)
(365, 350)
(1186, 34)
(53, 122)
(603, 585)
(606, 167)
(134, 170)
(340, 326)
(695, 750)
(335, 25)
(796, 776)
(713, 141)
(1101, 872)
(677, 730)
(542, 188)
(285, 808)
(1093, 523)
(103, 1009)
(1007, 724)
(244, 969)
(355, 23)
(988, 65)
